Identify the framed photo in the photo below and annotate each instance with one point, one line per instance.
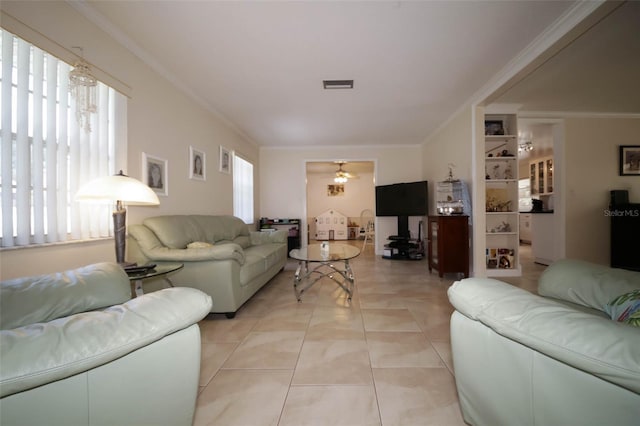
(629, 160)
(155, 173)
(335, 190)
(225, 160)
(493, 127)
(197, 164)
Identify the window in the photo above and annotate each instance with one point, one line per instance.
(45, 155)
(243, 189)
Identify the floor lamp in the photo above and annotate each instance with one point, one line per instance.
(122, 190)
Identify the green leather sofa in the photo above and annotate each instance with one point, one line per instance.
(75, 349)
(221, 256)
(553, 358)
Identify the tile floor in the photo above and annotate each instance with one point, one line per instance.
(383, 359)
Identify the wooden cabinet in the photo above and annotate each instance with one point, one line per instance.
(448, 239)
(501, 195)
(541, 176)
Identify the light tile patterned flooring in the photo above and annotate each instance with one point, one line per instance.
(383, 359)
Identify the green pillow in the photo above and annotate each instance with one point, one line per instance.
(625, 308)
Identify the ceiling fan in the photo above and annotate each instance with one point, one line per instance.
(342, 175)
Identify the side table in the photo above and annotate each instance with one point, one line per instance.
(136, 277)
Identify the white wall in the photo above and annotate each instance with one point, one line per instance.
(453, 143)
(450, 145)
(284, 186)
(591, 172)
(162, 121)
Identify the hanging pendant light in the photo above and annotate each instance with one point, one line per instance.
(83, 86)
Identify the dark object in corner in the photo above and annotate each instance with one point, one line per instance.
(625, 231)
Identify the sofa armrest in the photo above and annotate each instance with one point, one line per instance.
(229, 251)
(40, 353)
(258, 237)
(600, 346)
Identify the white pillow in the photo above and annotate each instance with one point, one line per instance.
(199, 244)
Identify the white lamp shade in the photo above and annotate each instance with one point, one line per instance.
(109, 189)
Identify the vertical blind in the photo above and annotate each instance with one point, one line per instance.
(243, 189)
(45, 155)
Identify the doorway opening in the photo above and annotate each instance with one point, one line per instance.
(337, 192)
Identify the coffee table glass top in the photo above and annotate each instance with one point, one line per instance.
(337, 252)
(157, 270)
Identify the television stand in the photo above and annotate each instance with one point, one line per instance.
(403, 248)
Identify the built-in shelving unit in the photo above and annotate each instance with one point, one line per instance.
(501, 195)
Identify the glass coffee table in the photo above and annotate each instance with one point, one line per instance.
(338, 254)
(138, 274)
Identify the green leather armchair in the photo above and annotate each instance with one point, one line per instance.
(75, 349)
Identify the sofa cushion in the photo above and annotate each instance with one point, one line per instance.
(217, 228)
(43, 298)
(253, 267)
(586, 283)
(243, 241)
(269, 253)
(177, 231)
(625, 308)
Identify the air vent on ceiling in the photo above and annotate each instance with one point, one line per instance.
(337, 84)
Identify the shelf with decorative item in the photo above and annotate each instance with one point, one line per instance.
(501, 194)
(500, 169)
(501, 146)
(501, 223)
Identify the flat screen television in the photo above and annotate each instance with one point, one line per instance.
(403, 200)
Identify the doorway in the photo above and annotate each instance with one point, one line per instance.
(348, 198)
(545, 138)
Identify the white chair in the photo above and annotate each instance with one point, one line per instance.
(367, 223)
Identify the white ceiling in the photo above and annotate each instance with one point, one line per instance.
(260, 65)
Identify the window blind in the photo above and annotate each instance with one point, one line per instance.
(45, 155)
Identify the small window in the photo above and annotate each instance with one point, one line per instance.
(243, 189)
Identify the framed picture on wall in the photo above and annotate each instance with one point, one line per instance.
(629, 160)
(335, 190)
(225, 160)
(155, 173)
(197, 164)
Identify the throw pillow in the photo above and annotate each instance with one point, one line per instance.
(198, 244)
(625, 308)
